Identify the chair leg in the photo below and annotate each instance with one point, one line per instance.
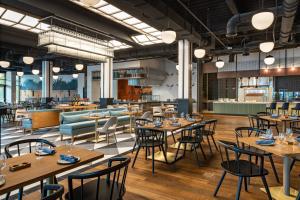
(196, 154)
(115, 137)
(177, 150)
(292, 164)
(173, 137)
(164, 153)
(209, 144)
(238, 192)
(246, 184)
(7, 196)
(185, 144)
(266, 187)
(274, 169)
(146, 153)
(213, 139)
(219, 184)
(152, 160)
(42, 186)
(20, 195)
(133, 147)
(204, 156)
(137, 152)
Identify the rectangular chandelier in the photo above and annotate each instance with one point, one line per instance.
(68, 42)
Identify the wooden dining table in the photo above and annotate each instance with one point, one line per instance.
(286, 151)
(281, 119)
(167, 127)
(43, 168)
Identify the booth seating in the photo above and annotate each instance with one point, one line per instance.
(74, 124)
(40, 119)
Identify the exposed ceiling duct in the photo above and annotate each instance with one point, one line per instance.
(244, 18)
(232, 6)
(289, 13)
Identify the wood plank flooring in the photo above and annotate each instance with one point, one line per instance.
(185, 180)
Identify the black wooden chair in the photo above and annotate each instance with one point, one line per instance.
(209, 131)
(272, 107)
(56, 190)
(265, 124)
(247, 132)
(234, 162)
(284, 108)
(192, 135)
(106, 184)
(295, 126)
(139, 122)
(17, 148)
(296, 109)
(253, 121)
(149, 138)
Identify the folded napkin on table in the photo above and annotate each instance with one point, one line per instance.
(68, 158)
(262, 142)
(175, 124)
(191, 120)
(274, 116)
(47, 150)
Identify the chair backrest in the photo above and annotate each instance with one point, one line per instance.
(142, 121)
(146, 115)
(254, 121)
(157, 109)
(196, 130)
(20, 145)
(263, 113)
(273, 105)
(285, 105)
(148, 135)
(111, 122)
(295, 126)
(210, 125)
(247, 132)
(297, 107)
(229, 152)
(115, 177)
(57, 192)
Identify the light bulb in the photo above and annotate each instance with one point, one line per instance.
(199, 53)
(28, 60)
(168, 36)
(262, 20)
(269, 60)
(266, 46)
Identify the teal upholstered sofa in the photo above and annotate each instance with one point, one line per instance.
(73, 124)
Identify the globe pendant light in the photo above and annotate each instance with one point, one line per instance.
(79, 67)
(90, 2)
(220, 63)
(56, 69)
(20, 73)
(28, 60)
(269, 60)
(199, 53)
(262, 20)
(4, 64)
(266, 46)
(75, 75)
(168, 36)
(35, 71)
(55, 77)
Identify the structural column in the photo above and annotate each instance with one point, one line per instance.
(47, 79)
(11, 87)
(184, 71)
(107, 79)
(81, 84)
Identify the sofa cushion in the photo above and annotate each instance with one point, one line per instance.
(117, 112)
(74, 118)
(102, 114)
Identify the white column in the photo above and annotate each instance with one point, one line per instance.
(92, 86)
(107, 79)
(11, 87)
(47, 79)
(184, 71)
(80, 84)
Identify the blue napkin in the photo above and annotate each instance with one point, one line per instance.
(264, 142)
(274, 116)
(191, 120)
(176, 124)
(68, 158)
(47, 150)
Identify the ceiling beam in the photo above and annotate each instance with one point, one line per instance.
(76, 13)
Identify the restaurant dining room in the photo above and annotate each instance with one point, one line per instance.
(149, 100)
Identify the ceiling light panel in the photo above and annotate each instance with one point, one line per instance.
(109, 9)
(20, 26)
(6, 23)
(100, 4)
(29, 21)
(132, 21)
(12, 16)
(121, 15)
(141, 25)
(2, 10)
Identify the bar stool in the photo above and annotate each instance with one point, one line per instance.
(271, 108)
(284, 107)
(296, 108)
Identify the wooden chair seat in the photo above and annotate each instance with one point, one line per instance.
(242, 168)
(90, 189)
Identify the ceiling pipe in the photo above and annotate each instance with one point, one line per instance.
(289, 13)
(235, 20)
(232, 6)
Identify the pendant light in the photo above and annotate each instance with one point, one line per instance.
(41, 78)
(56, 69)
(177, 67)
(79, 67)
(266, 46)
(4, 64)
(55, 77)
(262, 20)
(28, 60)
(168, 36)
(90, 2)
(199, 53)
(219, 63)
(269, 60)
(20, 73)
(35, 71)
(75, 75)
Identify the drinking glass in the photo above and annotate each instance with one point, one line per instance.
(281, 137)
(38, 147)
(68, 145)
(289, 134)
(2, 163)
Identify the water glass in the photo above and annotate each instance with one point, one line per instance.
(38, 147)
(2, 163)
(281, 137)
(68, 146)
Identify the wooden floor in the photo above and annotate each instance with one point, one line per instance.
(185, 180)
